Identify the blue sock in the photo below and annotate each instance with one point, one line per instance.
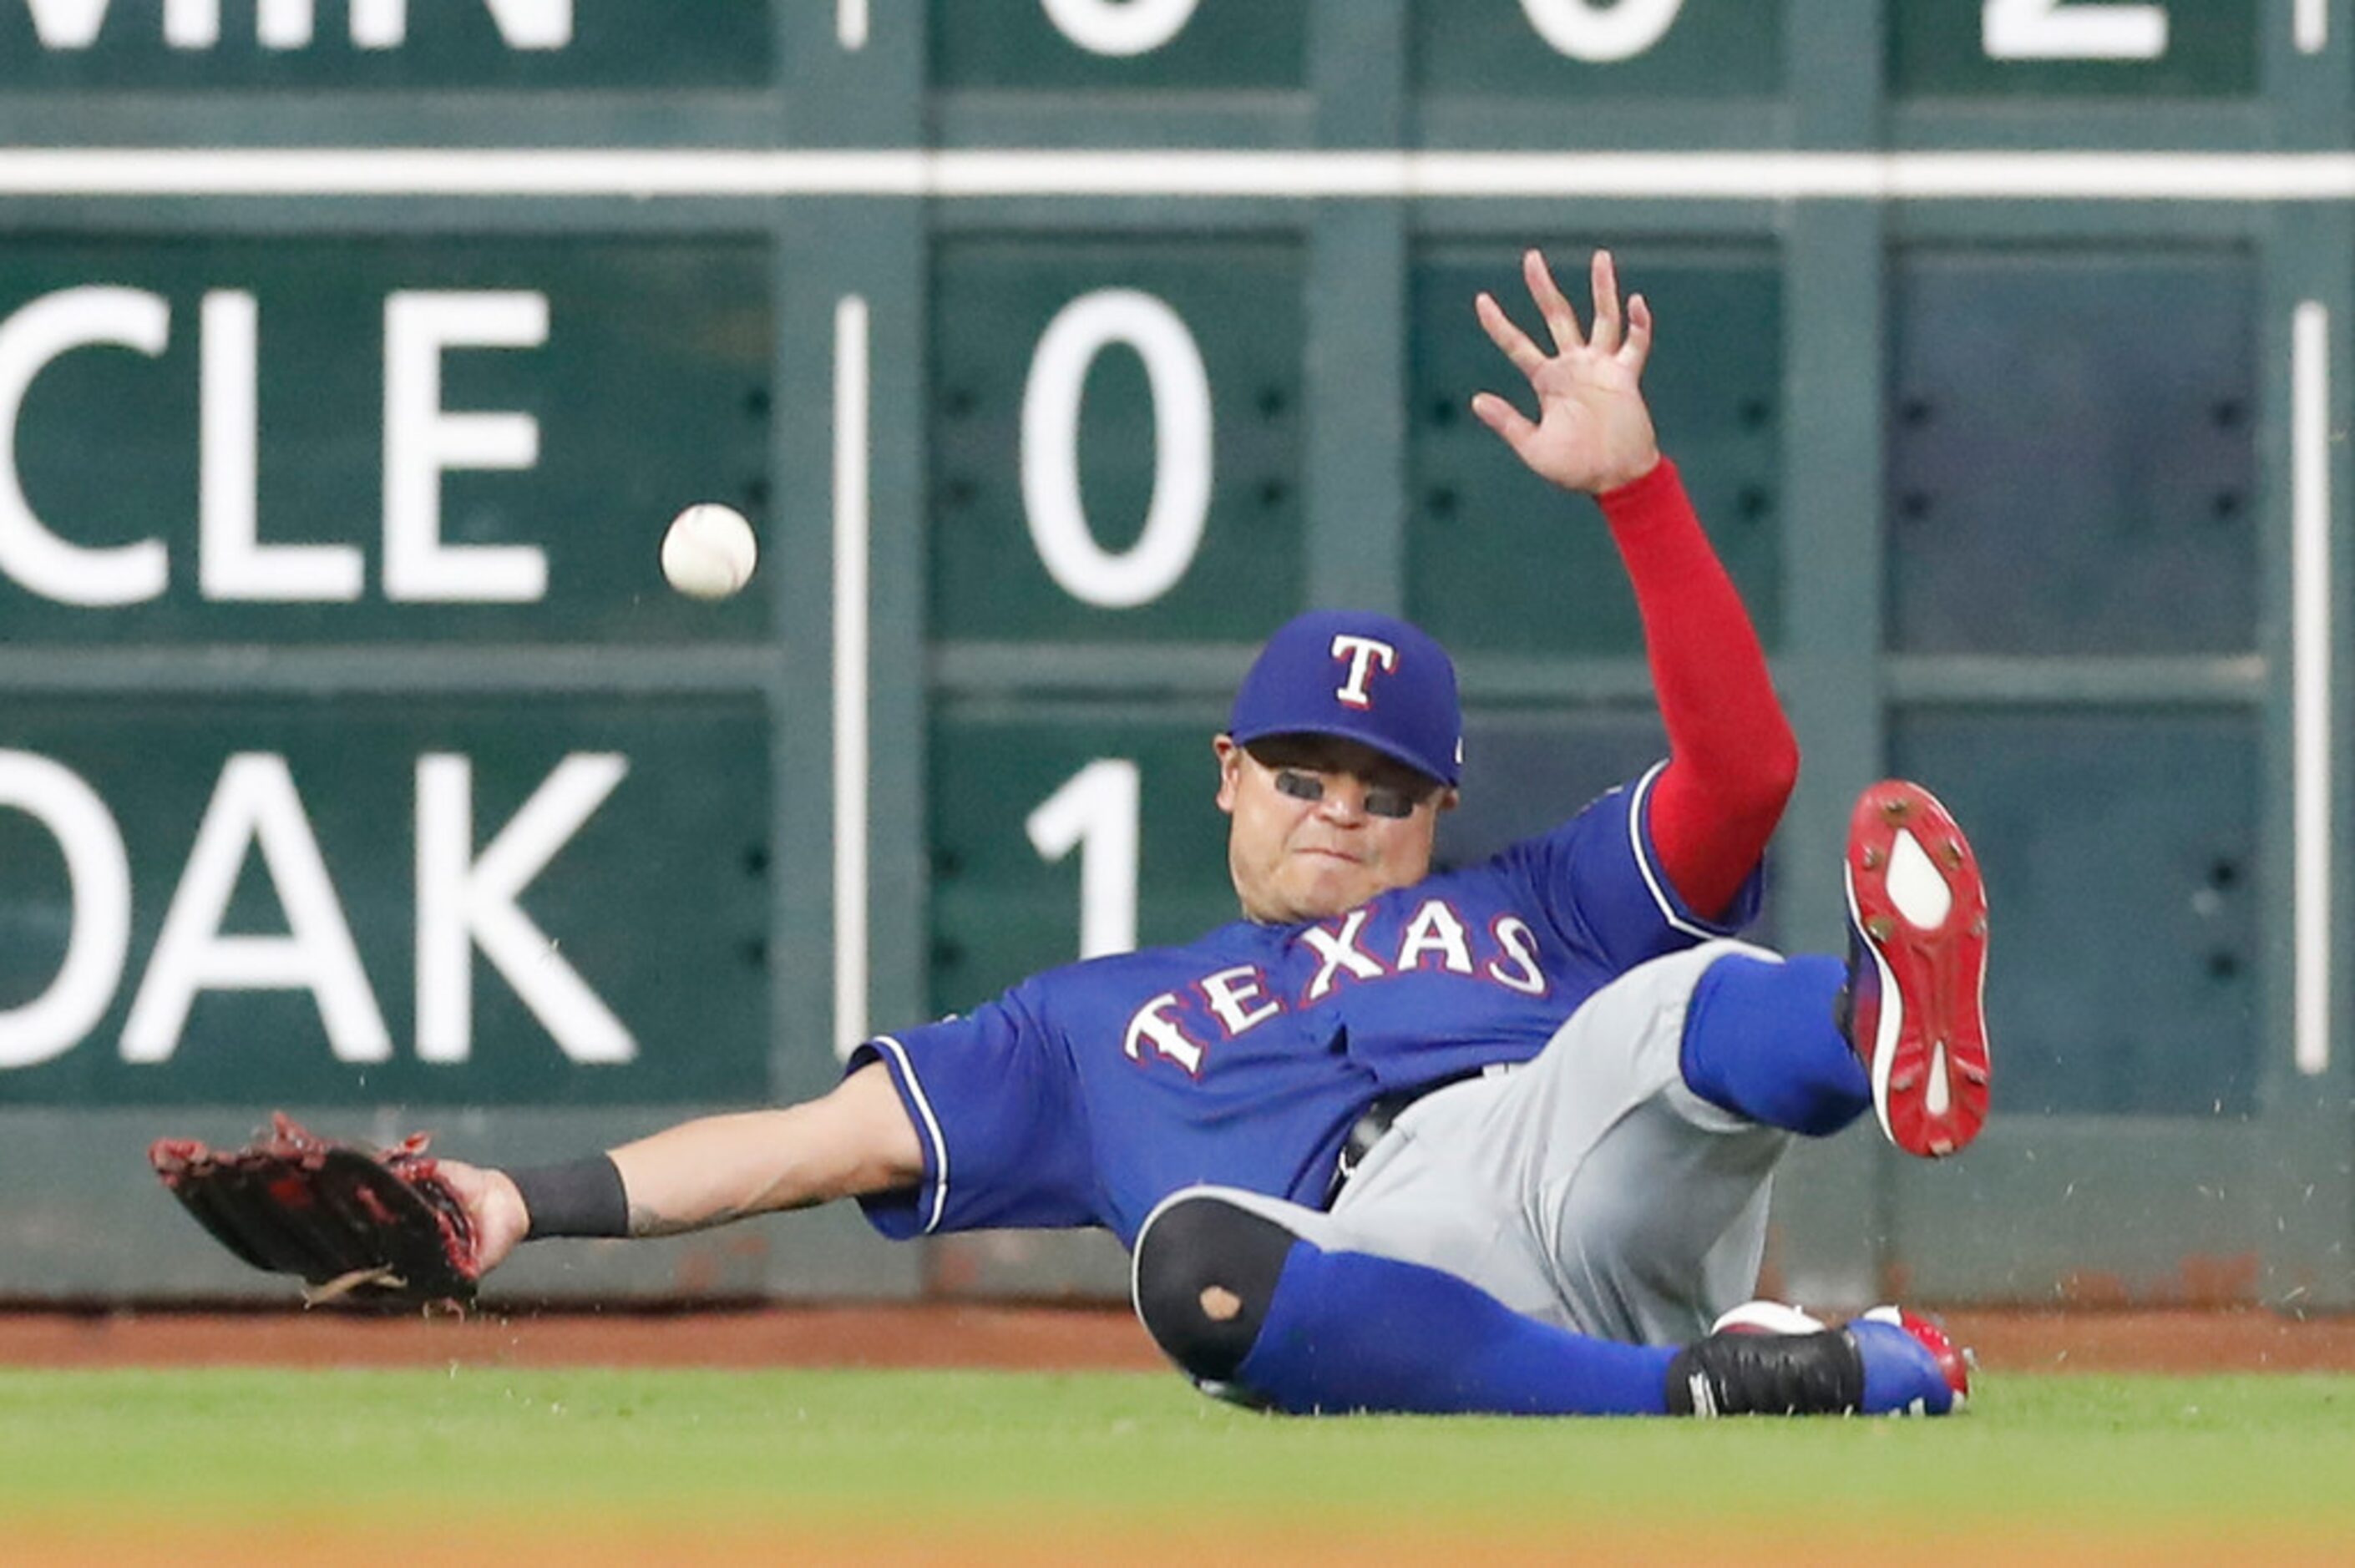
(1761, 1041)
(1347, 1330)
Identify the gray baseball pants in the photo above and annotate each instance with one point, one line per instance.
(1589, 1189)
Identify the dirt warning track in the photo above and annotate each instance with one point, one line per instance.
(1089, 1337)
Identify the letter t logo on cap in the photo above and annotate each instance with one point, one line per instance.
(1361, 653)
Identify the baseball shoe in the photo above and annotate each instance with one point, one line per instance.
(1910, 1366)
(1765, 1358)
(1917, 968)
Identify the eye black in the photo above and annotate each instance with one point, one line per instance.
(1299, 786)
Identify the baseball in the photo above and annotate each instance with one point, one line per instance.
(708, 551)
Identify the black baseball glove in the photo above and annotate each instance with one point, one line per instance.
(373, 1224)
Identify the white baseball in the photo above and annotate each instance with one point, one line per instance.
(709, 551)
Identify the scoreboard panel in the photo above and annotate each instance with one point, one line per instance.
(1557, 50)
(1116, 436)
(2161, 841)
(2124, 531)
(2011, 50)
(1062, 829)
(453, 900)
(1078, 45)
(382, 438)
(1496, 561)
(287, 47)
(331, 471)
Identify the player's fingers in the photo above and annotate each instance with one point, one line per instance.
(1603, 279)
(1560, 319)
(1501, 416)
(1525, 355)
(1638, 347)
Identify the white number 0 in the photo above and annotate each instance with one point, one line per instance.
(1095, 811)
(1119, 26)
(1181, 449)
(1602, 30)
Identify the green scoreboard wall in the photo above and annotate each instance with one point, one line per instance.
(354, 757)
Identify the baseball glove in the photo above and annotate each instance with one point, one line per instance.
(383, 1226)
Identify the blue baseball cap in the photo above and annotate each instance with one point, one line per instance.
(1365, 677)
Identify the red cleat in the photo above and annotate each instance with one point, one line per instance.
(1917, 968)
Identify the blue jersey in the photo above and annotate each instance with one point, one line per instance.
(1086, 1095)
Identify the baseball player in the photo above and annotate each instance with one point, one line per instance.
(1497, 1138)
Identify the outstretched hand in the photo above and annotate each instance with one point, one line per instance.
(1592, 431)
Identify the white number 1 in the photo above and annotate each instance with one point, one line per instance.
(2056, 29)
(1095, 811)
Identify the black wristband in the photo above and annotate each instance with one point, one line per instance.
(577, 1198)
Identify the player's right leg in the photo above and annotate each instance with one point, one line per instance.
(1901, 1026)
(1233, 1289)
(1255, 1312)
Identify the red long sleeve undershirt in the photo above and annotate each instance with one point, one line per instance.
(1733, 759)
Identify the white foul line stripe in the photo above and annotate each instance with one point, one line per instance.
(2310, 636)
(932, 1128)
(850, 738)
(971, 173)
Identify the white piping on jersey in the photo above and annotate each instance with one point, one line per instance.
(1644, 862)
(932, 1129)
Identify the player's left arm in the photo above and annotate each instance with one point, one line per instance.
(714, 1170)
(1733, 757)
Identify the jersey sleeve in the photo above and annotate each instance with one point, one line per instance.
(996, 1110)
(1598, 877)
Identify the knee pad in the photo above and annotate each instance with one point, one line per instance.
(1204, 1270)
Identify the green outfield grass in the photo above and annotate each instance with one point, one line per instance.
(589, 1450)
